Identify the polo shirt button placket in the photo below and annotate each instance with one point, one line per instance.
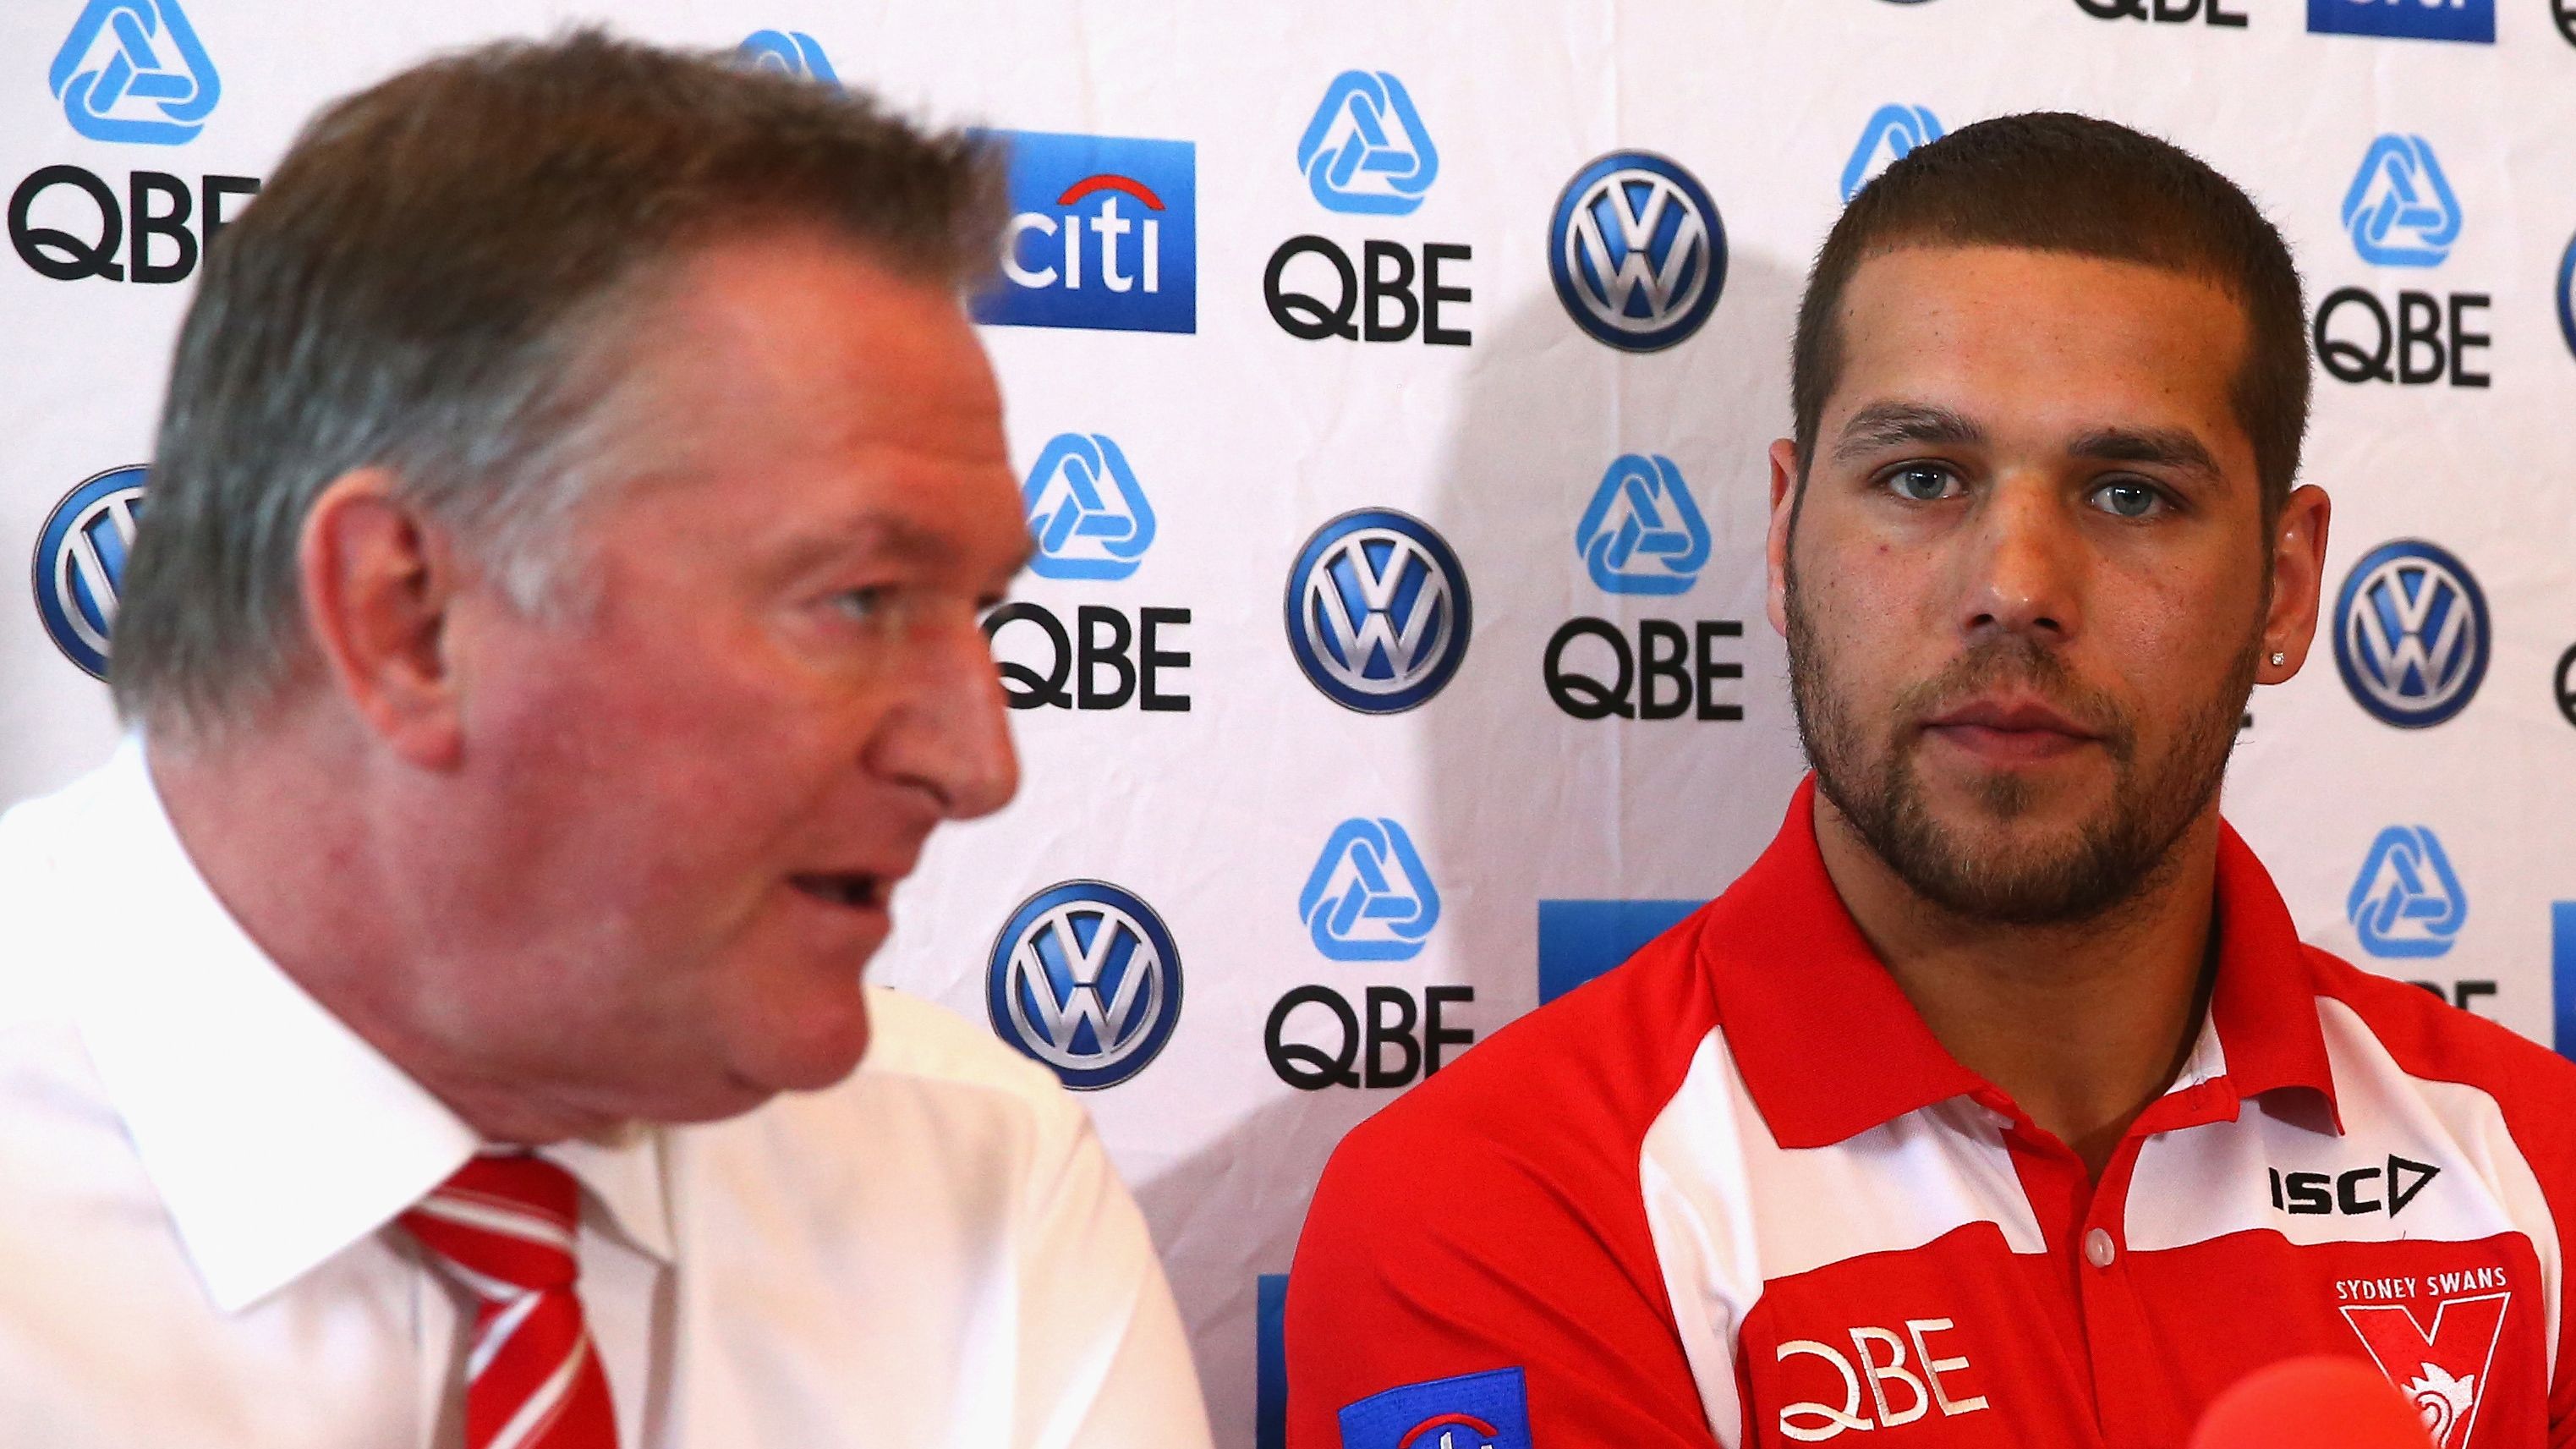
(2099, 1250)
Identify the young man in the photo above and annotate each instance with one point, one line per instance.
(1998, 1103)
(552, 636)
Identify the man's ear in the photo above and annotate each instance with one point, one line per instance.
(1775, 545)
(378, 580)
(2298, 545)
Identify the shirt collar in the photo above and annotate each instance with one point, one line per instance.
(275, 1135)
(1830, 1047)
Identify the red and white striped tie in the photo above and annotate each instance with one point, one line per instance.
(503, 1226)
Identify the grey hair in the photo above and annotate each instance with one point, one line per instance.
(442, 279)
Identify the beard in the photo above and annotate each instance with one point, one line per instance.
(2056, 878)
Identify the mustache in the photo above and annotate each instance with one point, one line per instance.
(2021, 665)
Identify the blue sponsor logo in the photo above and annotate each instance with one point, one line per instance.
(1103, 234)
(1637, 251)
(134, 71)
(2411, 636)
(1085, 978)
(1378, 611)
(2562, 973)
(2407, 903)
(1090, 519)
(2567, 292)
(1489, 1410)
(1369, 897)
(2400, 209)
(1642, 534)
(80, 560)
(1270, 1385)
(1579, 940)
(1366, 151)
(1893, 132)
(2472, 20)
(788, 52)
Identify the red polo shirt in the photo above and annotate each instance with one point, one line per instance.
(1735, 1193)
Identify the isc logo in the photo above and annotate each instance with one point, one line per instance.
(1103, 234)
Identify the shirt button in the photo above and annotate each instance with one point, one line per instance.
(2098, 1250)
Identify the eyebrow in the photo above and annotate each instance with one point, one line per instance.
(866, 534)
(1889, 425)
(2165, 447)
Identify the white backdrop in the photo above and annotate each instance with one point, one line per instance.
(1446, 134)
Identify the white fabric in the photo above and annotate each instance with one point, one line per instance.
(199, 1166)
(1731, 1209)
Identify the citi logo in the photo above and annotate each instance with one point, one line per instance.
(786, 52)
(134, 71)
(1103, 234)
(2468, 20)
(2361, 1191)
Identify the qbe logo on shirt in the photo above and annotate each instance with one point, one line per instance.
(1378, 611)
(1637, 251)
(134, 71)
(80, 561)
(2470, 20)
(1085, 978)
(1103, 234)
(2411, 635)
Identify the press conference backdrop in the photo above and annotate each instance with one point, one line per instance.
(1392, 384)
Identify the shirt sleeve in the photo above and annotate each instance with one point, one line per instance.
(1104, 1363)
(1440, 1274)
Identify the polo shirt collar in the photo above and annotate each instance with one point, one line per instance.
(1829, 1046)
(275, 1135)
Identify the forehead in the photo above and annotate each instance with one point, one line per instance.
(794, 384)
(2051, 339)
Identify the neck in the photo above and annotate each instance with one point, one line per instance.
(2082, 1024)
(281, 832)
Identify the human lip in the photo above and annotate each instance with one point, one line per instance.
(2009, 730)
(865, 887)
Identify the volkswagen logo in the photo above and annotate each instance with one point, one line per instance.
(1637, 250)
(80, 558)
(1084, 977)
(2411, 634)
(1378, 614)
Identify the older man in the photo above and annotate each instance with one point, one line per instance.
(553, 636)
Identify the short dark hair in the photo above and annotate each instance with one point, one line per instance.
(2055, 182)
(438, 278)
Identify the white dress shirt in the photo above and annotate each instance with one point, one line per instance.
(199, 1166)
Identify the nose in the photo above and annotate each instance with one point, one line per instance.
(2024, 566)
(951, 733)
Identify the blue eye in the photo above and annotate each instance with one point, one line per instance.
(2127, 499)
(862, 603)
(1923, 482)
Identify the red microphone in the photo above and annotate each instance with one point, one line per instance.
(2312, 1403)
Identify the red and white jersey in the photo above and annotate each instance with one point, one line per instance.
(1734, 1193)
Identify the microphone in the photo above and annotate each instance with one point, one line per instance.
(2312, 1403)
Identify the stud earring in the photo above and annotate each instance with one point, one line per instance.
(2279, 658)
